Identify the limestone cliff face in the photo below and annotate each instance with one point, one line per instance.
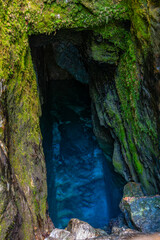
(126, 99)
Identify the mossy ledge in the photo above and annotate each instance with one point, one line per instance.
(133, 120)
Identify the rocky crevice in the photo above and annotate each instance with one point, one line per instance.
(64, 71)
(126, 41)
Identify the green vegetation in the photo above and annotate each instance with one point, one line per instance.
(124, 26)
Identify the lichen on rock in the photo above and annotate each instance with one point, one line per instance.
(142, 212)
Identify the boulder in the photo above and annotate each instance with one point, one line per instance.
(127, 234)
(132, 189)
(80, 229)
(142, 212)
(60, 234)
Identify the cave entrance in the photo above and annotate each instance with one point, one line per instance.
(81, 182)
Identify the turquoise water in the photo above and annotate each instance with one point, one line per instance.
(80, 184)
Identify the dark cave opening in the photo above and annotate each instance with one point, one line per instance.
(80, 177)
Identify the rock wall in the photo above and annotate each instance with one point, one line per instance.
(126, 100)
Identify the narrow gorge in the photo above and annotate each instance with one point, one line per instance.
(79, 119)
(80, 176)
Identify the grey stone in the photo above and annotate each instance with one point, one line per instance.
(60, 234)
(80, 229)
(142, 212)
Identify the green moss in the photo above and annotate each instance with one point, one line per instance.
(23, 110)
(74, 14)
(140, 22)
(104, 53)
(18, 20)
(118, 167)
(128, 84)
(128, 88)
(115, 33)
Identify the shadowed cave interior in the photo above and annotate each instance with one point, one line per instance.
(80, 177)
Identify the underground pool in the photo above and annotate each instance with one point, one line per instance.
(80, 178)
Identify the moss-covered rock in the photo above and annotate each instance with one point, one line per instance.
(132, 189)
(130, 33)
